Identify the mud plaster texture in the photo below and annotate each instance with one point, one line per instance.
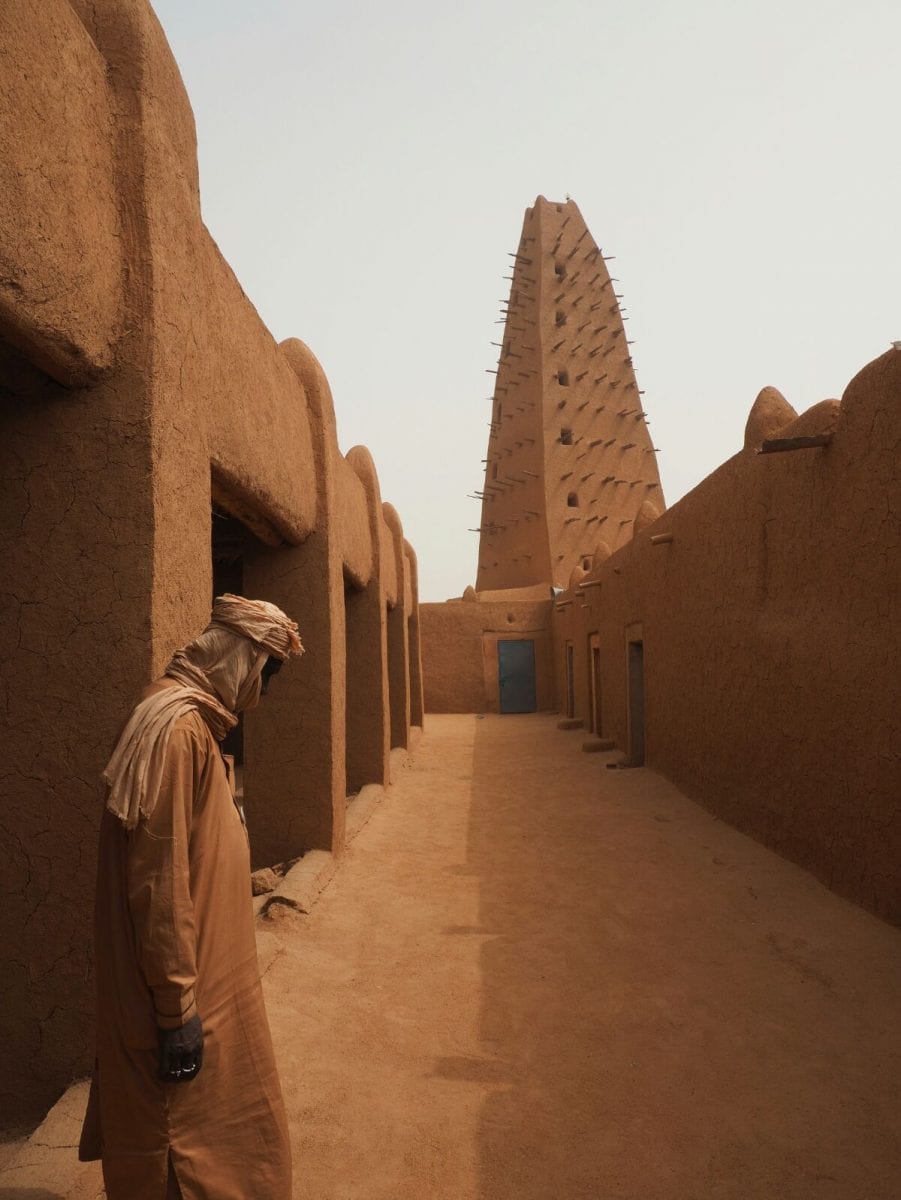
(771, 630)
(570, 461)
(766, 601)
(138, 388)
(532, 977)
(459, 647)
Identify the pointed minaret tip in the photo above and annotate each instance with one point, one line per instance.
(570, 461)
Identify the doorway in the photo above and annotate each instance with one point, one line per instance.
(636, 704)
(231, 542)
(594, 666)
(516, 675)
(570, 681)
(367, 709)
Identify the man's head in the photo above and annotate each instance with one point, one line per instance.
(244, 645)
(260, 622)
(271, 633)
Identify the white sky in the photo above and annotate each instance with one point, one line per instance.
(365, 166)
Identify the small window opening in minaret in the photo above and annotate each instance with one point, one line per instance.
(494, 470)
(560, 317)
(563, 378)
(586, 564)
(572, 500)
(560, 270)
(566, 437)
(500, 410)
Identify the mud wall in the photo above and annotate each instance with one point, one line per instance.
(767, 603)
(61, 226)
(138, 386)
(459, 651)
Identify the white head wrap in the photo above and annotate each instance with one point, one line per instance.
(218, 675)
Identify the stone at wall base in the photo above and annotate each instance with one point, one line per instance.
(570, 723)
(304, 882)
(264, 880)
(598, 745)
(361, 808)
(301, 886)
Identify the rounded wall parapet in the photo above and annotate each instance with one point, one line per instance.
(393, 521)
(577, 574)
(308, 369)
(819, 419)
(601, 554)
(414, 561)
(361, 462)
(871, 403)
(647, 514)
(396, 530)
(769, 413)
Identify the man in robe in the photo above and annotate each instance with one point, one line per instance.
(185, 1099)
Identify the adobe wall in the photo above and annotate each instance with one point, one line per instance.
(76, 522)
(771, 630)
(414, 642)
(137, 386)
(58, 98)
(459, 651)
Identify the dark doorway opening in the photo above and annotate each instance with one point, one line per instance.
(570, 682)
(364, 743)
(398, 674)
(232, 542)
(636, 704)
(594, 663)
(516, 675)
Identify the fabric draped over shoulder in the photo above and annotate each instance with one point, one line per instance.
(135, 770)
(175, 940)
(175, 936)
(218, 674)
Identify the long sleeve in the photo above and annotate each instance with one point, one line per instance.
(159, 884)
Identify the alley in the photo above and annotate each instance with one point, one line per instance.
(532, 978)
(535, 978)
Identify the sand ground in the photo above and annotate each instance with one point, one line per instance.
(536, 979)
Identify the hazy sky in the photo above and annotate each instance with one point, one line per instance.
(365, 166)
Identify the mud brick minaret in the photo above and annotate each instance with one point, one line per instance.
(570, 460)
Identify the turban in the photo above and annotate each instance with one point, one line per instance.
(259, 621)
(216, 675)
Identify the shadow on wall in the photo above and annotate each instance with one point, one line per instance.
(668, 1008)
(747, 640)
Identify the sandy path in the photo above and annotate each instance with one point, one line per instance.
(536, 979)
(533, 978)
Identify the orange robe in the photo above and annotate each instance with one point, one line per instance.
(175, 937)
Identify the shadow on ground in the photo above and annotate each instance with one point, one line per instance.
(669, 1011)
(28, 1194)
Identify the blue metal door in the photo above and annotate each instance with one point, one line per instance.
(516, 674)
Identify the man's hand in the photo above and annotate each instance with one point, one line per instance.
(181, 1052)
